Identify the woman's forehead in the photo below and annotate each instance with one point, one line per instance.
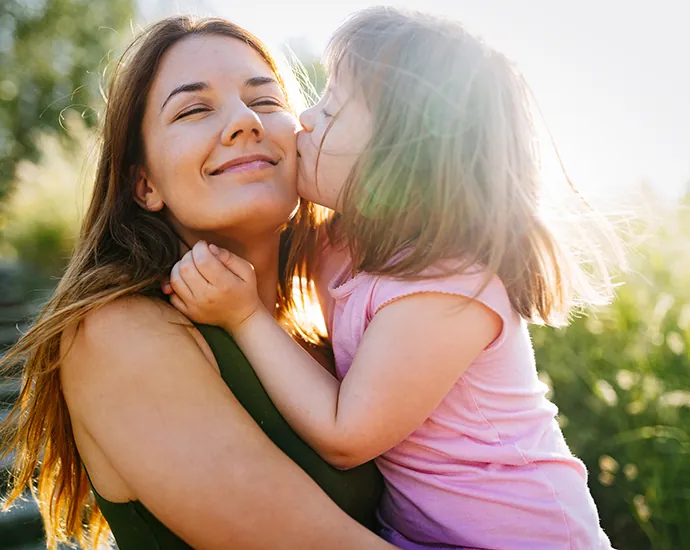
(210, 58)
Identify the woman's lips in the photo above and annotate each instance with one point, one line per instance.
(246, 167)
(246, 163)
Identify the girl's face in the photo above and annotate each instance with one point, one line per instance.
(219, 142)
(339, 125)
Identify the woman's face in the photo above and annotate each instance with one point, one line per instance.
(219, 142)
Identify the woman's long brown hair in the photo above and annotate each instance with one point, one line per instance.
(122, 250)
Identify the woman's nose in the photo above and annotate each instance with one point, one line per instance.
(306, 119)
(244, 124)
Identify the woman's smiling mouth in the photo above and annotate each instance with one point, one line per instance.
(247, 163)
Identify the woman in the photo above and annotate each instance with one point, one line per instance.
(198, 144)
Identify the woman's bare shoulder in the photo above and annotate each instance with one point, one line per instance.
(132, 313)
(126, 329)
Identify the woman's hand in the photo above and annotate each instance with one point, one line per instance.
(212, 286)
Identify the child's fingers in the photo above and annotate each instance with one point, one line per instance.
(221, 253)
(209, 265)
(240, 267)
(201, 255)
(166, 287)
(195, 281)
(220, 262)
(178, 284)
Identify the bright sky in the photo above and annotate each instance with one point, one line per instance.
(611, 77)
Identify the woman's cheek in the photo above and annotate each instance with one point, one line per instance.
(283, 127)
(182, 155)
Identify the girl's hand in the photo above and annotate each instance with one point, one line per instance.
(212, 286)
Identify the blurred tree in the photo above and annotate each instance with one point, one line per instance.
(311, 73)
(316, 73)
(52, 54)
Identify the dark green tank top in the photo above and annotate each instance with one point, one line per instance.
(356, 491)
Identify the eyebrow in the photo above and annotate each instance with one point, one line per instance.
(189, 87)
(257, 81)
(253, 82)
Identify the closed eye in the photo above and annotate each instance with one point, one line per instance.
(267, 102)
(192, 111)
(327, 115)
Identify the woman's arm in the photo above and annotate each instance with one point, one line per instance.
(135, 379)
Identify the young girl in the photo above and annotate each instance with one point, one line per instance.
(434, 262)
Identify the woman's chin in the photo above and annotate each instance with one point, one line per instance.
(261, 210)
(269, 216)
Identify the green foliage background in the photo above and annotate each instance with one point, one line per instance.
(52, 54)
(621, 380)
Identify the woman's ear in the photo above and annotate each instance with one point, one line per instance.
(145, 193)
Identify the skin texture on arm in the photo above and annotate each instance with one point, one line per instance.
(411, 355)
(144, 398)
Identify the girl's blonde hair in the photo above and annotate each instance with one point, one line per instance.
(451, 170)
(122, 250)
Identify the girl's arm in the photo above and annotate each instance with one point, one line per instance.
(155, 410)
(408, 360)
(411, 355)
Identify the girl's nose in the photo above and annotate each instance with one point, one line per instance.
(306, 119)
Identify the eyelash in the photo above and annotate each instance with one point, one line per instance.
(327, 115)
(191, 112)
(271, 102)
(261, 103)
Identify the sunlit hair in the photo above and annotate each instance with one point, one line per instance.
(451, 170)
(122, 250)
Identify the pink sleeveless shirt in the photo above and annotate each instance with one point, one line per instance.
(489, 469)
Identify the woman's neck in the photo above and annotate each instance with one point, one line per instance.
(262, 252)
